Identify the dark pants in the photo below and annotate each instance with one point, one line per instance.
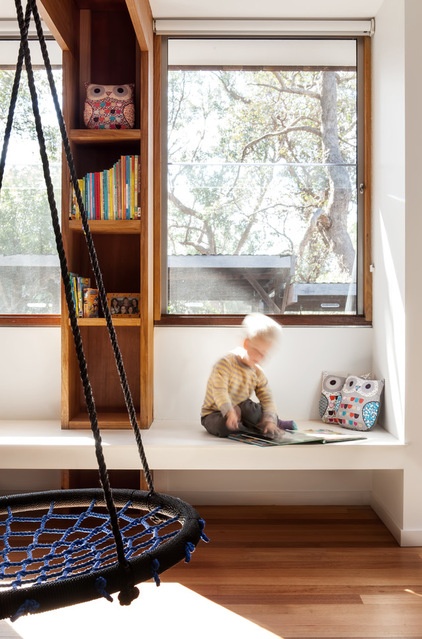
(250, 416)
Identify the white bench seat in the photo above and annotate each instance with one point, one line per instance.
(176, 445)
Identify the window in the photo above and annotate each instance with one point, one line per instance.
(29, 266)
(265, 177)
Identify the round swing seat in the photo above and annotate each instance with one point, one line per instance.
(58, 547)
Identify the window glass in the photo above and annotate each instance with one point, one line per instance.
(263, 210)
(29, 266)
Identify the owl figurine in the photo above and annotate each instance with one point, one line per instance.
(330, 397)
(109, 106)
(360, 403)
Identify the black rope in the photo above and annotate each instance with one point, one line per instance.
(13, 99)
(92, 254)
(65, 275)
(24, 54)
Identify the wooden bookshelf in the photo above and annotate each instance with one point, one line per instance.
(124, 247)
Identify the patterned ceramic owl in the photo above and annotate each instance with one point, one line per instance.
(360, 403)
(109, 106)
(330, 398)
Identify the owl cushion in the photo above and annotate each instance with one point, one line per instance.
(360, 403)
(109, 106)
(329, 401)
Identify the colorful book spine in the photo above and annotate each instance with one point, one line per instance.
(111, 194)
(128, 192)
(82, 283)
(74, 290)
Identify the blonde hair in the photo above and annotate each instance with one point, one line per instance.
(259, 325)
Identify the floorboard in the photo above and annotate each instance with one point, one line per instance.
(300, 573)
(308, 572)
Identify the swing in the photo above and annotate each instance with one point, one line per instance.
(63, 547)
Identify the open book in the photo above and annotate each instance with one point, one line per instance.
(309, 436)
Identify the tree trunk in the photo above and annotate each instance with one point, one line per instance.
(335, 227)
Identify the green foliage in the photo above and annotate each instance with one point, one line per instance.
(247, 145)
(25, 220)
(247, 172)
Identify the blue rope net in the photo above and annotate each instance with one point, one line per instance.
(57, 546)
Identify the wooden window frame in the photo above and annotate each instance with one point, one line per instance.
(365, 105)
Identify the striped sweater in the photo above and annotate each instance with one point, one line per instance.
(231, 382)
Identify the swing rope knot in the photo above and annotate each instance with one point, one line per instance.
(127, 595)
(28, 606)
(155, 567)
(189, 548)
(129, 592)
(201, 524)
(100, 585)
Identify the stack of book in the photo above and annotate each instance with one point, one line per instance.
(112, 194)
(84, 297)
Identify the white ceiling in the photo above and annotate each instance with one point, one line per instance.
(265, 8)
(248, 8)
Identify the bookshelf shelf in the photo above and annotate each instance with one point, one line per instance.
(104, 136)
(114, 227)
(100, 321)
(116, 419)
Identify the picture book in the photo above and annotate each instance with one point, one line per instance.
(90, 302)
(289, 437)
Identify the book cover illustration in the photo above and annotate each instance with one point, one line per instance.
(90, 302)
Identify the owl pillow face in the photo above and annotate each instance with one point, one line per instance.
(329, 401)
(109, 106)
(360, 403)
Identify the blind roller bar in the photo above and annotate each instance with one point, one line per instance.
(9, 29)
(262, 27)
(282, 52)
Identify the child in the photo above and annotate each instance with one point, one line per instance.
(235, 377)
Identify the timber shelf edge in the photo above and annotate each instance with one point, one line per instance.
(114, 227)
(117, 321)
(106, 419)
(104, 136)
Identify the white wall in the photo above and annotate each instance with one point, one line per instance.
(389, 226)
(398, 301)
(184, 357)
(389, 219)
(413, 93)
(30, 373)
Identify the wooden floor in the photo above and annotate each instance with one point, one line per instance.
(297, 572)
(308, 572)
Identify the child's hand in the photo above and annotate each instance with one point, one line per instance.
(232, 420)
(269, 429)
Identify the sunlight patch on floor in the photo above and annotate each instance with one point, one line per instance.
(172, 610)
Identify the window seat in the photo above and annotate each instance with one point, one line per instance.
(178, 445)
